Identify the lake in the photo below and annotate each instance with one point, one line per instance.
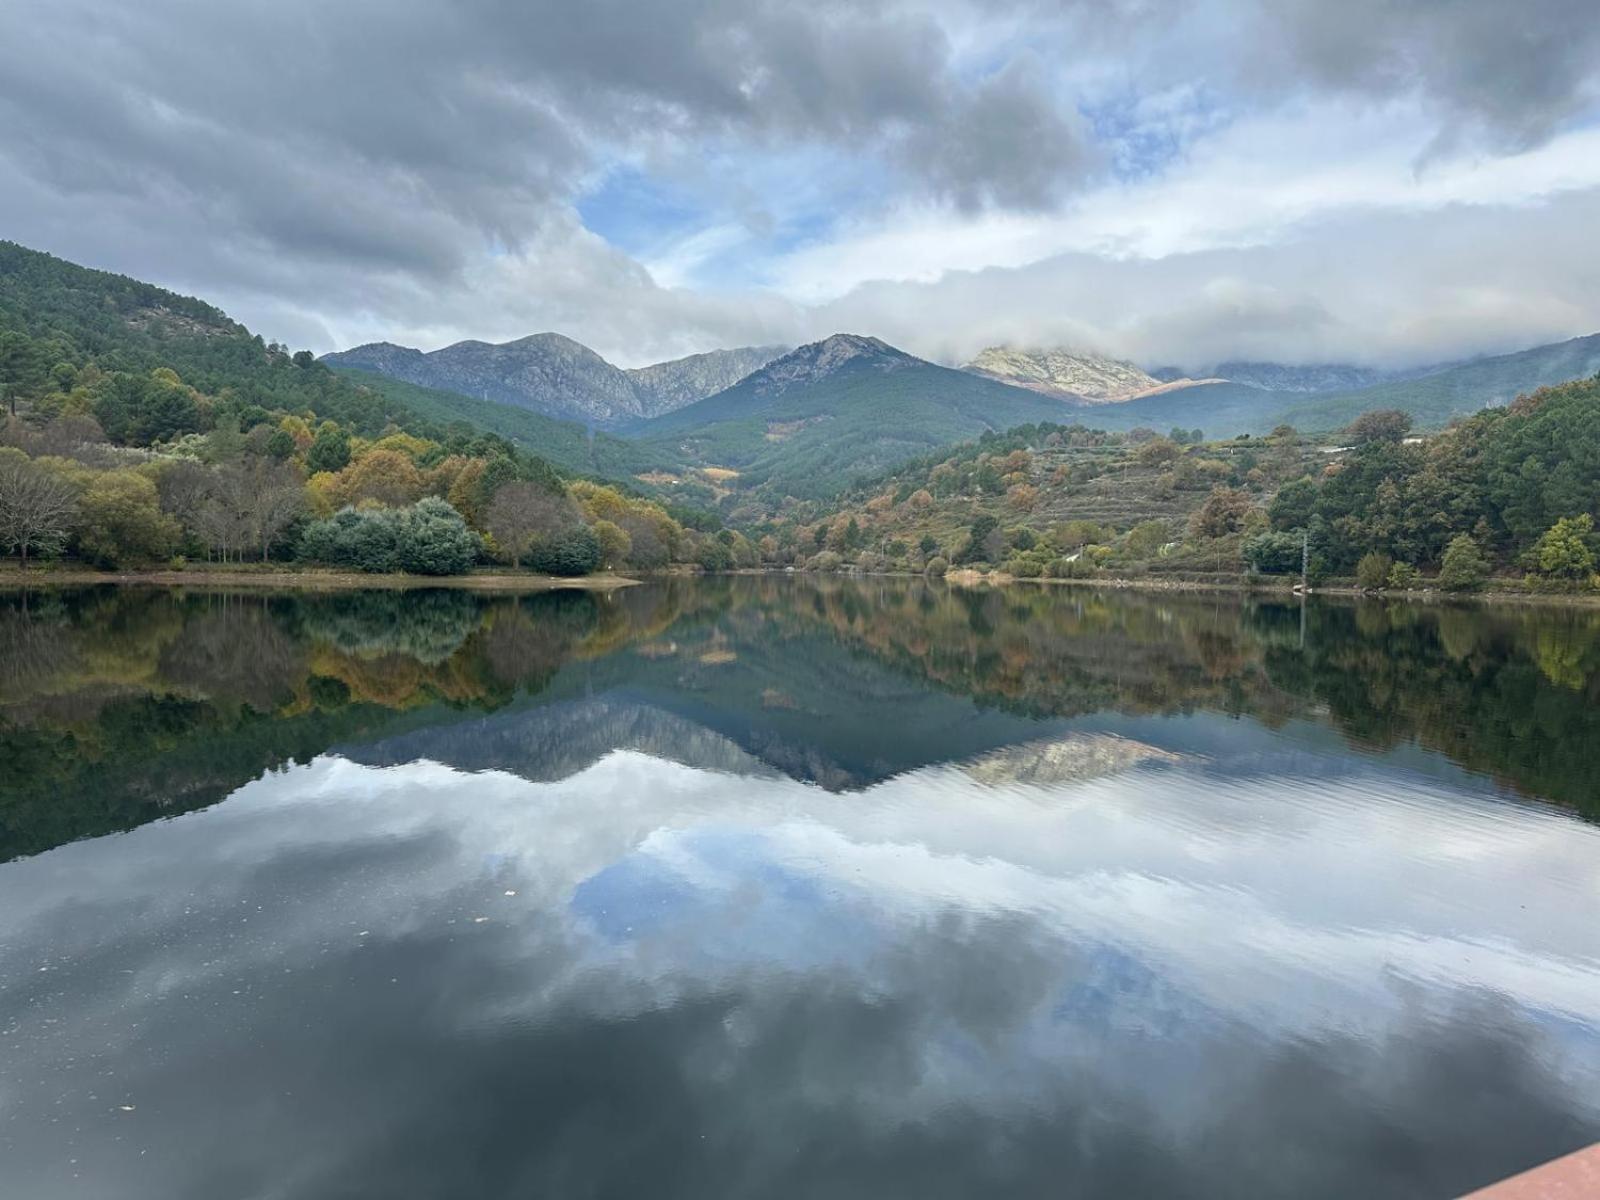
(782, 887)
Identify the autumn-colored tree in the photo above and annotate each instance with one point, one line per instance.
(408, 444)
(386, 477)
(1223, 512)
(297, 428)
(1158, 452)
(1022, 497)
(598, 502)
(653, 535)
(121, 521)
(614, 543)
(465, 490)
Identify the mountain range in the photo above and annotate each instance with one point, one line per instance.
(802, 423)
(808, 421)
(556, 376)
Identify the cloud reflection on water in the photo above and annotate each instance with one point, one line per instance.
(1164, 980)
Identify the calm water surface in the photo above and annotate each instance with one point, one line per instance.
(786, 888)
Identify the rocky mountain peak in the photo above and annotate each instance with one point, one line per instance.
(1065, 373)
(817, 360)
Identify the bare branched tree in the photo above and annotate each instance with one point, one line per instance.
(37, 506)
(234, 506)
(522, 513)
(276, 498)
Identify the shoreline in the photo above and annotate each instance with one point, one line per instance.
(312, 581)
(974, 579)
(12, 578)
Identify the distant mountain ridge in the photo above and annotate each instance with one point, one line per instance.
(1082, 377)
(670, 385)
(809, 421)
(1432, 397)
(1440, 394)
(554, 375)
(1303, 377)
(1254, 397)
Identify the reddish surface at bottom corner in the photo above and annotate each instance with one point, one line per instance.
(1575, 1177)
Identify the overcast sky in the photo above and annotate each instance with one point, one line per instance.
(1378, 181)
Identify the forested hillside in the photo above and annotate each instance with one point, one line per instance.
(565, 444)
(1437, 397)
(1513, 491)
(144, 427)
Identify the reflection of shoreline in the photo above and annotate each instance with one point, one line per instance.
(1282, 588)
(121, 704)
(314, 581)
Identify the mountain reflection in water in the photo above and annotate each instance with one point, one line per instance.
(793, 888)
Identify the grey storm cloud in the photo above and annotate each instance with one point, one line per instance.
(1511, 71)
(402, 135)
(321, 169)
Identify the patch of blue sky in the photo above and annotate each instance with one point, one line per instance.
(636, 212)
(1113, 988)
(722, 898)
(1144, 133)
(724, 220)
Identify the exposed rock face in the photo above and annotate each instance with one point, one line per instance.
(1313, 377)
(1071, 758)
(554, 375)
(1081, 377)
(818, 360)
(670, 385)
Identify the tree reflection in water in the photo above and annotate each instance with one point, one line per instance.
(118, 706)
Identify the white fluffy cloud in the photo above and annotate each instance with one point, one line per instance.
(1172, 181)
